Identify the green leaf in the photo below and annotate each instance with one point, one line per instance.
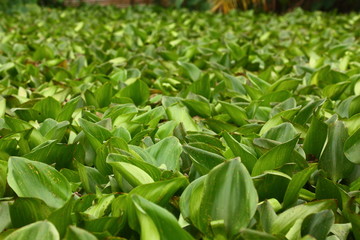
(287, 219)
(98, 210)
(137, 91)
(48, 108)
(282, 133)
(180, 114)
(230, 196)
(247, 158)
(203, 160)
(305, 113)
(62, 217)
(34, 179)
(75, 233)
(256, 235)
(2, 107)
(278, 119)
(190, 203)
(157, 223)
(166, 153)
(297, 182)
(104, 94)
(3, 171)
(28, 210)
(352, 148)
(106, 225)
(318, 225)
(315, 137)
(160, 192)
(196, 107)
(90, 178)
(237, 114)
(5, 222)
(267, 215)
(95, 133)
(275, 158)
(134, 174)
(67, 111)
(191, 70)
(42, 230)
(332, 159)
(326, 189)
(53, 130)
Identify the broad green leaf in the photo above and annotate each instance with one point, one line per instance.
(267, 215)
(157, 223)
(196, 107)
(326, 76)
(180, 115)
(352, 148)
(2, 107)
(191, 70)
(341, 230)
(258, 82)
(42, 230)
(282, 133)
(237, 114)
(190, 203)
(305, 113)
(230, 196)
(326, 189)
(315, 138)
(17, 125)
(53, 130)
(34, 179)
(278, 119)
(211, 140)
(62, 217)
(160, 192)
(105, 225)
(90, 178)
(28, 210)
(5, 222)
(114, 144)
(287, 219)
(44, 152)
(95, 133)
(133, 174)
(297, 182)
(104, 94)
(137, 91)
(332, 159)
(166, 129)
(275, 158)
(265, 183)
(98, 210)
(75, 233)
(48, 108)
(256, 235)
(166, 153)
(335, 91)
(247, 158)
(203, 160)
(3, 171)
(318, 224)
(67, 111)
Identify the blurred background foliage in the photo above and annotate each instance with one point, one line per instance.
(271, 5)
(23, 5)
(224, 6)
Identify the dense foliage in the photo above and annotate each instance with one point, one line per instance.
(279, 6)
(169, 124)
